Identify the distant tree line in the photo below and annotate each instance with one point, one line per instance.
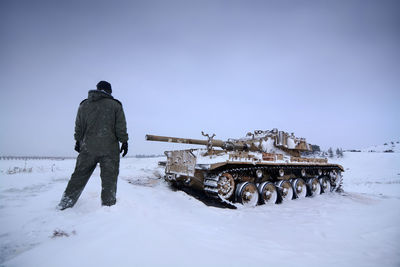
(331, 154)
(316, 151)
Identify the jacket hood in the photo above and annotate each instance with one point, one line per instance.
(95, 95)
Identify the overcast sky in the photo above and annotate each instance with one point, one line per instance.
(328, 71)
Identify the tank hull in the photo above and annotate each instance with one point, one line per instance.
(220, 174)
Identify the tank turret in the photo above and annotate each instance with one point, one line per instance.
(261, 141)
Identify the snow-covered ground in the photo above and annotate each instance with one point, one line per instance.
(393, 146)
(152, 225)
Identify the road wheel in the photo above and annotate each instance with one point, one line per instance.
(247, 194)
(325, 184)
(285, 190)
(314, 187)
(268, 193)
(300, 188)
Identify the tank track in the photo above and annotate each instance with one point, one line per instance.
(211, 185)
(210, 182)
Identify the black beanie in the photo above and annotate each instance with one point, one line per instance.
(105, 86)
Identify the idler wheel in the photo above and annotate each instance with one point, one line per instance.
(314, 187)
(226, 186)
(336, 178)
(268, 193)
(300, 188)
(247, 194)
(325, 184)
(285, 190)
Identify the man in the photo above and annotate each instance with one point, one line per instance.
(99, 127)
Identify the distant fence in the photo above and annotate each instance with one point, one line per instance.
(63, 158)
(33, 158)
(140, 156)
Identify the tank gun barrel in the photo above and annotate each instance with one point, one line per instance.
(215, 142)
(169, 139)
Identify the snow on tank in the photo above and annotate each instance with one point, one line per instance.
(261, 168)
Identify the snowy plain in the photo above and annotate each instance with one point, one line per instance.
(153, 225)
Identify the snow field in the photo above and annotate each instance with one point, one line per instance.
(152, 225)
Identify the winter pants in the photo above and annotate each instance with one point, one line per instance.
(85, 165)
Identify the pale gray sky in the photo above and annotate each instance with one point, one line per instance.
(327, 70)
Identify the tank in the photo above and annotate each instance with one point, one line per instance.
(264, 167)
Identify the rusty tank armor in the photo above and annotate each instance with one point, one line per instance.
(263, 167)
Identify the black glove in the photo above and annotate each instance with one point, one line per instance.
(78, 146)
(124, 148)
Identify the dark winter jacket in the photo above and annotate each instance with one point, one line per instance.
(100, 124)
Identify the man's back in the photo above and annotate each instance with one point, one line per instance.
(100, 124)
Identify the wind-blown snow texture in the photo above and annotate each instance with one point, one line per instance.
(152, 225)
